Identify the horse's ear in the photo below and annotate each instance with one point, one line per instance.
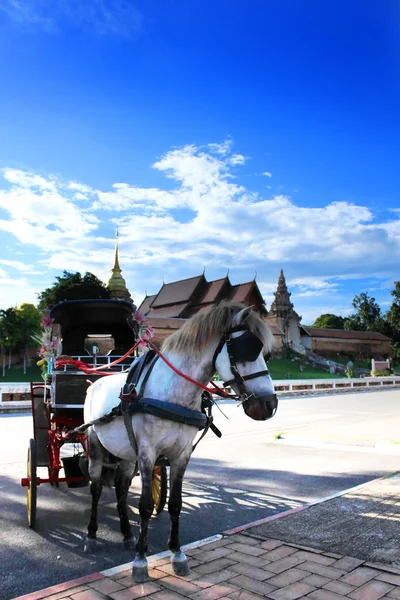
(241, 317)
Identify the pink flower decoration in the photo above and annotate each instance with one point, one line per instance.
(139, 318)
(46, 322)
(143, 344)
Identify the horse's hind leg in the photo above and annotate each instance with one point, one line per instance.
(178, 559)
(126, 471)
(146, 506)
(95, 470)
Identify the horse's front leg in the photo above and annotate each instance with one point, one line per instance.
(178, 558)
(146, 506)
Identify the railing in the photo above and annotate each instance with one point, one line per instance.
(340, 385)
(304, 386)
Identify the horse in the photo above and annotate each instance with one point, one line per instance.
(229, 339)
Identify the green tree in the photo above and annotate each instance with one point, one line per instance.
(368, 315)
(10, 334)
(73, 286)
(29, 319)
(393, 319)
(329, 321)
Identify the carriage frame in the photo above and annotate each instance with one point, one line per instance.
(58, 401)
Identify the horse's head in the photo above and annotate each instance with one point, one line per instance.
(241, 361)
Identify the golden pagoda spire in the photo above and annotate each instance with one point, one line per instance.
(116, 284)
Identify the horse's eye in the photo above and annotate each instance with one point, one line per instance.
(267, 356)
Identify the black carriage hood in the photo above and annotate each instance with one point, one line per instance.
(78, 318)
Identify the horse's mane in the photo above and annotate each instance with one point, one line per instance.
(208, 326)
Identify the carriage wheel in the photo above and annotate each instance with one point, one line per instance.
(159, 488)
(32, 487)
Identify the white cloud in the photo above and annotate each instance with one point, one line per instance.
(117, 17)
(207, 218)
(267, 174)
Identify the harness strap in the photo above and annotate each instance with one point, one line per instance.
(247, 377)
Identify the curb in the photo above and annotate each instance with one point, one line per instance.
(298, 509)
(46, 592)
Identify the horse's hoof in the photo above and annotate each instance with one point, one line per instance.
(140, 573)
(180, 564)
(129, 544)
(90, 546)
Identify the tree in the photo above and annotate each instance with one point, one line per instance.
(329, 321)
(9, 334)
(393, 319)
(368, 316)
(72, 286)
(29, 319)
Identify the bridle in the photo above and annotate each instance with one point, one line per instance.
(245, 350)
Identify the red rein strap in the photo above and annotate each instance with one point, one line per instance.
(78, 364)
(216, 389)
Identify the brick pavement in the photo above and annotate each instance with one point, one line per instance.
(243, 567)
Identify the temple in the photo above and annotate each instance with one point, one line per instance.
(283, 315)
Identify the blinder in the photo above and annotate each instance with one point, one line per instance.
(246, 347)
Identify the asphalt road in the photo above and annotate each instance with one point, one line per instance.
(242, 477)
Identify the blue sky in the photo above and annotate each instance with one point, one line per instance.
(249, 136)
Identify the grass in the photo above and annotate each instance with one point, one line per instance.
(287, 369)
(16, 375)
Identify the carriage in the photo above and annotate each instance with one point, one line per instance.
(95, 338)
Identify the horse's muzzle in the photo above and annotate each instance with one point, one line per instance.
(261, 408)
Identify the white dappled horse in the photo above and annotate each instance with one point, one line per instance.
(228, 339)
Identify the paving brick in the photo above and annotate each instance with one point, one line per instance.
(107, 586)
(325, 595)
(182, 586)
(249, 571)
(339, 588)
(156, 574)
(169, 570)
(121, 575)
(360, 576)
(246, 539)
(372, 590)
(389, 578)
(254, 561)
(270, 544)
(164, 595)
(333, 555)
(210, 579)
(280, 552)
(395, 593)
(347, 563)
(317, 558)
(292, 592)
(218, 544)
(215, 565)
(323, 570)
(282, 565)
(64, 593)
(208, 555)
(288, 577)
(136, 591)
(244, 595)
(258, 587)
(316, 580)
(247, 549)
(214, 592)
(88, 594)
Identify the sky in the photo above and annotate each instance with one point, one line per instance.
(217, 136)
